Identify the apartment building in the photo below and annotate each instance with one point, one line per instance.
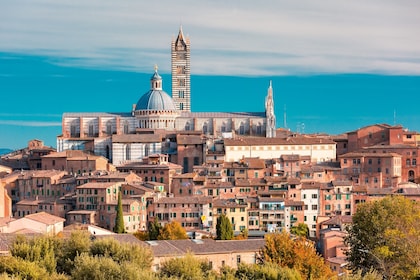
(192, 212)
(75, 162)
(377, 170)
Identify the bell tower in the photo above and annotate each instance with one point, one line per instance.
(270, 131)
(180, 64)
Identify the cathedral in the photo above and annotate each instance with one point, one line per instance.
(145, 130)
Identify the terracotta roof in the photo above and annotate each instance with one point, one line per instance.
(100, 185)
(203, 246)
(262, 141)
(44, 218)
(185, 199)
(374, 155)
(189, 139)
(293, 203)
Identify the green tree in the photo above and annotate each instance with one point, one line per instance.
(122, 252)
(300, 230)
(385, 235)
(297, 253)
(79, 242)
(119, 219)
(224, 230)
(39, 250)
(172, 231)
(154, 229)
(186, 268)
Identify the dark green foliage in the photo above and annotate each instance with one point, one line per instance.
(224, 230)
(119, 219)
(154, 229)
(78, 243)
(300, 230)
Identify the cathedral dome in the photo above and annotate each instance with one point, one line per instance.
(155, 98)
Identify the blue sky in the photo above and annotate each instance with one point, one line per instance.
(49, 47)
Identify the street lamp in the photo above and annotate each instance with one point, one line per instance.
(381, 262)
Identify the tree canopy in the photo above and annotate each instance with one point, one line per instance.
(385, 235)
(224, 230)
(119, 219)
(297, 253)
(172, 231)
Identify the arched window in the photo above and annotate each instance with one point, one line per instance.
(242, 128)
(109, 127)
(107, 152)
(259, 129)
(90, 130)
(127, 152)
(146, 150)
(205, 128)
(411, 176)
(187, 126)
(223, 127)
(125, 128)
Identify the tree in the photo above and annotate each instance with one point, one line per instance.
(119, 219)
(39, 250)
(186, 268)
(172, 231)
(297, 253)
(300, 230)
(385, 235)
(154, 229)
(78, 243)
(122, 252)
(224, 229)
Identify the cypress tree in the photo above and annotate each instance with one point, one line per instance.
(119, 219)
(224, 229)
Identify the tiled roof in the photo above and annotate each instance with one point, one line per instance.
(374, 155)
(203, 246)
(44, 218)
(262, 141)
(189, 139)
(100, 185)
(185, 199)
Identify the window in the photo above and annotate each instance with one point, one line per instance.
(314, 207)
(414, 162)
(181, 94)
(314, 195)
(345, 161)
(181, 106)
(238, 258)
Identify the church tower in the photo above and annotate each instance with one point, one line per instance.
(180, 61)
(269, 114)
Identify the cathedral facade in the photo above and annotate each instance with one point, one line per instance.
(145, 130)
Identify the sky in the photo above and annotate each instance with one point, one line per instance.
(73, 56)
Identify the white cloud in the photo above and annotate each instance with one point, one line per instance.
(244, 37)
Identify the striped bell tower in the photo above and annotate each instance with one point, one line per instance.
(180, 63)
(269, 113)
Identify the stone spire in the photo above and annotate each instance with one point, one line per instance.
(269, 113)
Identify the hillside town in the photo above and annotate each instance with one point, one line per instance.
(172, 164)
